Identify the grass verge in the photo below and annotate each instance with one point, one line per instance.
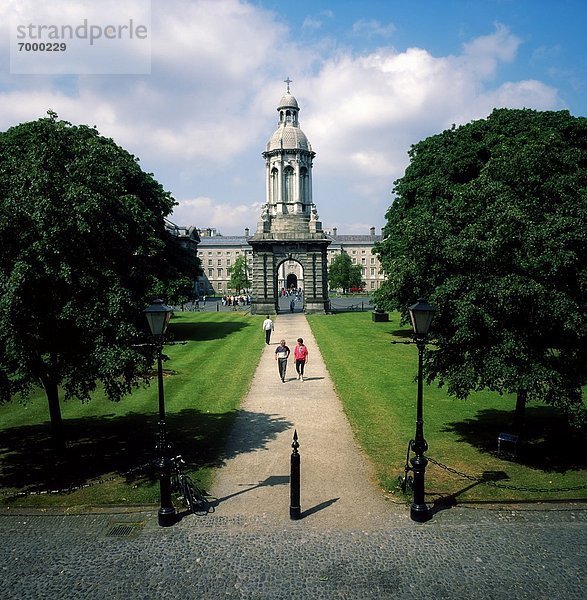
(205, 381)
(376, 383)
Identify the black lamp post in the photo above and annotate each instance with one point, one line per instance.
(421, 315)
(158, 316)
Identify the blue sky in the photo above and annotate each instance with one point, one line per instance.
(371, 77)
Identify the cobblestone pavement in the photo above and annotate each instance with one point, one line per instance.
(481, 554)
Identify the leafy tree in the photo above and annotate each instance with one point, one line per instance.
(239, 276)
(490, 224)
(342, 274)
(84, 250)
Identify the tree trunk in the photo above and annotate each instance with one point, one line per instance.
(520, 414)
(52, 392)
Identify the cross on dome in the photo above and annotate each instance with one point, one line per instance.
(288, 81)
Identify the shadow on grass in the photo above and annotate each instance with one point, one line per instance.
(405, 334)
(100, 446)
(203, 331)
(546, 443)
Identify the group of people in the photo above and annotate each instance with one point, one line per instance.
(234, 301)
(282, 352)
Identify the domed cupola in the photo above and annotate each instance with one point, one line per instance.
(288, 134)
(288, 101)
(288, 159)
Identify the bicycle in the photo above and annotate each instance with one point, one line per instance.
(192, 496)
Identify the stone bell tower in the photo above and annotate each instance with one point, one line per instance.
(288, 228)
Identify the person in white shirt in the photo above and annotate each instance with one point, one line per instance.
(281, 356)
(268, 328)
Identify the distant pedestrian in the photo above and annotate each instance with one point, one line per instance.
(301, 356)
(292, 305)
(267, 328)
(281, 356)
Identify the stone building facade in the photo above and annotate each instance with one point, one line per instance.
(218, 252)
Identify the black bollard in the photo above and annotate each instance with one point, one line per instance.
(294, 480)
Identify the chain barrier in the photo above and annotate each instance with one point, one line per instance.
(504, 486)
(75, 488)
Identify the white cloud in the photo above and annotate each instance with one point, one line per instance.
(207, 212)
(373, 28)
(202, 118)
(482, 55)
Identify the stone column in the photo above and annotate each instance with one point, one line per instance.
(264, 283)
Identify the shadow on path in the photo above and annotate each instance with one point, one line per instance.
(106, 445)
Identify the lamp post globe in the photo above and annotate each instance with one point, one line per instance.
(421, 315)
(158, 316)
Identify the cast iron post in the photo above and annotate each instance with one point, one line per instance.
(167, 515)
(421, 315)
(294, 480)
(419, 510)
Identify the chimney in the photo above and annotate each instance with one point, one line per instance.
(334, 230)
(246, 232)
(372, 230)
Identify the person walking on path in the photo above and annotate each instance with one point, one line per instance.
(281, 356)
(301, 356)
(268, 328)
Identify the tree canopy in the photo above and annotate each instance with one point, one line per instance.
(239, 275)
(342, 274)
(490, 224)
(84, 250)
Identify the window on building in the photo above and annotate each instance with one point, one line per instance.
(372, 284)
(288, 187)
(354, 252)
(219, 272)
(210, 272)
(228, 262)
(219, 253)
(363, 261)
(372, 260)
(354, 261)
(274, 184)
(372, 271)
(209, 262)
(303, 184)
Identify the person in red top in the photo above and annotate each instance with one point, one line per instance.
(301, 356)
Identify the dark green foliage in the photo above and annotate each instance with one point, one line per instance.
(239, 277)
(490, 224)
(342, 274)
(84, 249)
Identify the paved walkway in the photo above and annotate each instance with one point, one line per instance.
(337, 486)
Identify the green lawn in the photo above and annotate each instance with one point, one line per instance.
(376, 382)
(205, 380)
